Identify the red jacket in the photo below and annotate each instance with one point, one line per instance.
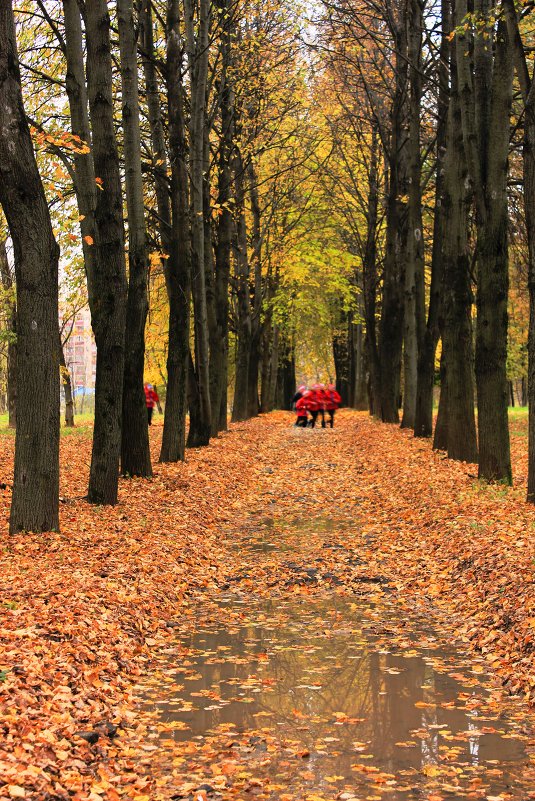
(301, 407)
(313, 401)
(151, 397)
(323, 397)
(333, 400)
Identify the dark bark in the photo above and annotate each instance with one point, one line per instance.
(440, 439)
(528, 96)
(457, 364)
(175, 232)
(107, 296)
(286, 384)
(341, 363)
(369, 280)
(486, 96)
(240, 407)
(391, 326)
(35, 499)
(414, 313)
(135, 452)
(423, 422)
(6, 277)
(67, 386)
(198, 48)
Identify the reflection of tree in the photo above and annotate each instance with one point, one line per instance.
(322, 643)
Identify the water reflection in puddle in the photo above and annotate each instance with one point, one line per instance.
(325, 696)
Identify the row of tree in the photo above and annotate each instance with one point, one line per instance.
(284, 182)
(428, 92)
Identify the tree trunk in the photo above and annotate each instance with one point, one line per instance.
(11, 376)
(286, 384)
(198, 48)
(440, 439)
(414, 311)
(135, 451)
(361, 392)
(391, 327)
(457, 362)
(35, 499)
(67, 386)
(175, 231)
(224, 223)
(369, 280)
(107, 297)
(486, 96)
(240, 407)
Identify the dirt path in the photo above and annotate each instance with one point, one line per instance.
(363, 509)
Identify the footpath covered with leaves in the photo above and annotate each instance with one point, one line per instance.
(89, 614)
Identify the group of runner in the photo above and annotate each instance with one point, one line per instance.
(315, 402)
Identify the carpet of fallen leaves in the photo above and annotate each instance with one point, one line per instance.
(84, 613)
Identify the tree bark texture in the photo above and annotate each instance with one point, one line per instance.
(486, 96)
(391, 326)
(176, 239)
(35, 500)
(457, 363)
(197, 43)
(108, 287)
(423, 423)
(8, 284)
(414, 314)
(135, 452)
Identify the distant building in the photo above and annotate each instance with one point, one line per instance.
(81, 352)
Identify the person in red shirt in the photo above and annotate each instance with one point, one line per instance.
(301, 407)
(333, 402)
(323, 398)
(152, 400)
(313, 405)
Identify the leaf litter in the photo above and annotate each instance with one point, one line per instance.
(97, 620)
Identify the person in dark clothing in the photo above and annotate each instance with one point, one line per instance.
(333, 402)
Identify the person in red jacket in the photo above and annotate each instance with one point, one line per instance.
(313, 405)
(152, 400)
(323, 399)
(301, 407)
(333, 402)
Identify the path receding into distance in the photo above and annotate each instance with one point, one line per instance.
(289, 614)
(340, 654)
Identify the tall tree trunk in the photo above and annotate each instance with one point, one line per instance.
(224, 223)
(486, 96)
(135, 451)
(175, 229)
(369, 278)
(440, 439)
(457, 291)
(361, 393)
(240, 407)
(107, 296)
(528, 95)
(67, 385)
(423, 423)
(198, 46)
(257, 324)
(414, 314)
(6, 277)
(391, 330)
(35, 500)
(286, 384)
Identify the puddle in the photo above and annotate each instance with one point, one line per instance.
(327, 698)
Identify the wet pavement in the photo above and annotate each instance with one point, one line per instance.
(333, 695)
